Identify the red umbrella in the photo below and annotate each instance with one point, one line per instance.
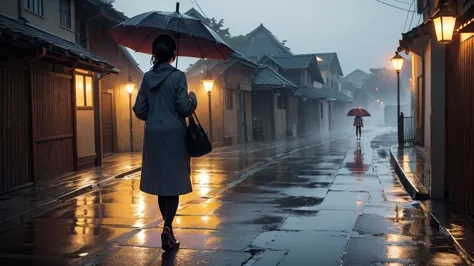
(358, 111)
(193, 38)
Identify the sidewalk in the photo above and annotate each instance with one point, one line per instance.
(22, 204)
(413, 168)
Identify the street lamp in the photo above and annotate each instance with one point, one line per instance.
(208, 83)
(444, 21)
(129, 87)
(397, 62)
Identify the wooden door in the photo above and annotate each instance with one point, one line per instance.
(16, 164)
(107, 124)
(53, 125)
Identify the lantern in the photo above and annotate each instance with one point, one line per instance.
(208, 83)
(444, 21)
(397, 62)
(130, 86)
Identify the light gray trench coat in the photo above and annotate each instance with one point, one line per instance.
(163, 103)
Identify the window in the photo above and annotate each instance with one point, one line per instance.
(229, 99)
(83, 91)
(321, 109)
(65, 13)
(35, 6)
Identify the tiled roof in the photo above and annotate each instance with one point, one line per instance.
(258, 47)
(302, 61)
(334, 95)
(271, 35)
(267, 77)
(327, 62)
(196, 14)
(23, 30)
(218, 66)
(310, 92)
(294, 61)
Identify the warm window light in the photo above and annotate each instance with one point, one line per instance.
(378, 100)
(397, 62)
(130, 86)
(319, 59)
(444, 21)
(208, 83)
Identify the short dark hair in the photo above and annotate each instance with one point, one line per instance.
(163, 49)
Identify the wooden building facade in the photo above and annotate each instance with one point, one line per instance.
(442, 84)
(40, 98)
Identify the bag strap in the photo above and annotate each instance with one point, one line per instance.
(197, 119)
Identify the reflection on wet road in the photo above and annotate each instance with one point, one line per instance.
(293, 203)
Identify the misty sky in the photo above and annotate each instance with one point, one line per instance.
(364, 33)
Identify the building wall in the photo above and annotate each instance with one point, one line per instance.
(50, 21)
(16, 165)
(9, 8)
(262, 111)
(292, 113)
(460, 124)
(324, 120)
(238, 78)
(427, 126)
(280, 119)
(417, 96)
(103, 45)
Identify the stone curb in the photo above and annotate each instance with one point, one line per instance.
(424, 199)
(463, 253)
(49, 204)
(411, 185)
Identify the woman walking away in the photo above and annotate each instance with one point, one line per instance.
(163, 103)
(358, 123)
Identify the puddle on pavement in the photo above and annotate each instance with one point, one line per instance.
(296, 202)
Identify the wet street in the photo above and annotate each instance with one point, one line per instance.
(296, 202)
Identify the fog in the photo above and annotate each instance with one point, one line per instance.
(364, 33)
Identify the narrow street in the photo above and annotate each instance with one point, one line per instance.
(299, 202)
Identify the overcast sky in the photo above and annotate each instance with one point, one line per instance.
(364, 33)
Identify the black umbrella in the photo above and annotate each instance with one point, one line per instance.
(193, 37)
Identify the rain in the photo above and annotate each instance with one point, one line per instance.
(246, 133)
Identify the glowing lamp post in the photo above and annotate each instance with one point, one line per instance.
(444, 21)
(129, 87)
(208, 84)
(397, 62)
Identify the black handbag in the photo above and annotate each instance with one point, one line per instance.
(197, 140)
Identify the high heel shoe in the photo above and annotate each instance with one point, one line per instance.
(168, 242)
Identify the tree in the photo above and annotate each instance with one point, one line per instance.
(218, 27)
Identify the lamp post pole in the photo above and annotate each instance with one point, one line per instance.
(400, 134)
(131, 123)
(210, 115)
(397, 62)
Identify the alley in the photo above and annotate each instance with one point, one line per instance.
(298, 202)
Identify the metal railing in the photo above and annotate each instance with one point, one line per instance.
(407, 124)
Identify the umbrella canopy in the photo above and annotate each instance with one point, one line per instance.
(193, 38)
(358, 111)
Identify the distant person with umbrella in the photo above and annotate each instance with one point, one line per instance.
(358, 112)
(358, 123)
(163, 101)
